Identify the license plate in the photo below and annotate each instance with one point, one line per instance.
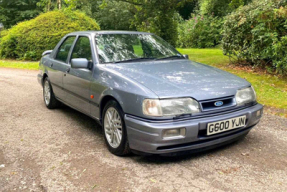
(226, 125)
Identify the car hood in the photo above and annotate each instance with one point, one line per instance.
(181, 78)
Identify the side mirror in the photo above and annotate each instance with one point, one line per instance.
(80, 63)
(46, 53)
(186, 56)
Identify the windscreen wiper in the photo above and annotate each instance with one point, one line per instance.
(136, 59)
(172, 57)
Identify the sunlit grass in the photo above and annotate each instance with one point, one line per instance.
(271, 90)
(19, 64)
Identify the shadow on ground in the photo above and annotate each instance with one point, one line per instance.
(91, 125)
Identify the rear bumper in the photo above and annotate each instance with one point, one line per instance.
(145, 136)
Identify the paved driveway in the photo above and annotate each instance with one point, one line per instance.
(64, 150)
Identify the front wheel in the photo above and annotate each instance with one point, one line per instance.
(49, 98)
(114, 129)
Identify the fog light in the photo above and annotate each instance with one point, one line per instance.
(258, 113)
(173, 133)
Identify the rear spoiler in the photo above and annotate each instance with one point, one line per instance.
(47, 52)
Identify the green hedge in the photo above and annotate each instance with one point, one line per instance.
(257, 34)
(27, 40)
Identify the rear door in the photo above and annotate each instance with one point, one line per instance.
(77, 82)
(59, 65)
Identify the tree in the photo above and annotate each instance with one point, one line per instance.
(50, 5)
(12, 12)
(187, 9)
(115, 15)
(220, 7)
(157, 16)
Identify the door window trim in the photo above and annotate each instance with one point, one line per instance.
(63, 41)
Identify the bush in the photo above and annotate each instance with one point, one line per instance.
(3, 33)
(220, 8)
(200, 32)
(257, 34)
(27, 40)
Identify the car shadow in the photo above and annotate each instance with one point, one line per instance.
(85, 121)
(94, 128)
(185, 156)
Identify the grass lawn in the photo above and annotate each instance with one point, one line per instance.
(271, 90)
(19, 64)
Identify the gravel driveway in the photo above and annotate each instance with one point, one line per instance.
(64, 150)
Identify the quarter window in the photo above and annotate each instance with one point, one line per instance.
(82, 49)
(64, 49)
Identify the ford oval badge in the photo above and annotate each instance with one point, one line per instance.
(218, 103)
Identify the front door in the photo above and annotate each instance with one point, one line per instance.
(58, 66)
(77, 82)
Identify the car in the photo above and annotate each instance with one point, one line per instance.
(148, 98)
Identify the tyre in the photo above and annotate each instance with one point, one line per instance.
(49, 98)
(114, 129)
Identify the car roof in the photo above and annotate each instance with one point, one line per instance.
(106, 32)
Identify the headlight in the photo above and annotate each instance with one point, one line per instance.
(246, 95)
(170, 107)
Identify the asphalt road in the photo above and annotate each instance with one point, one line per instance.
(64, 150)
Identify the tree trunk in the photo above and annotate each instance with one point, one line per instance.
(59, 2)
(49, 6)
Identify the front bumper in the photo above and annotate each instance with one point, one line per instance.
(146, 136)
(40, 79)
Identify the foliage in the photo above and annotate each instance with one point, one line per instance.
(257, 34)
(200, 32)
(11, 12)
(86, 6)
(29, 39)
(157, 16)
(186, 9)
(115, 15)
(265, 85)
(220, 7)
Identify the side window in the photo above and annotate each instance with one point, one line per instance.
(82, 49)
(64, 49)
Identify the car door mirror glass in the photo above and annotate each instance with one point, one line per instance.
(80, 63)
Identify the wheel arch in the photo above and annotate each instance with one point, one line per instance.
(103, 103)
(44, 77)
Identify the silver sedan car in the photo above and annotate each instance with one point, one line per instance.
(149, 98)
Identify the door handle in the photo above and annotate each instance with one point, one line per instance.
(50, 64)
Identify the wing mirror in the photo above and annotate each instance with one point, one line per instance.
(80, 63)
(186, 56)
(46, 53)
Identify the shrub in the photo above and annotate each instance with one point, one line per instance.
(257, 34)
(200, 32)
(27, 40)
(221, 7)
(2, 34)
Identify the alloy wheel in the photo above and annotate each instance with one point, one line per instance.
(47, 93)
(113, 127)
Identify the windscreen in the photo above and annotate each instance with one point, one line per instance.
(113, 48)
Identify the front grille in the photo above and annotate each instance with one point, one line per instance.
(210, 104)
